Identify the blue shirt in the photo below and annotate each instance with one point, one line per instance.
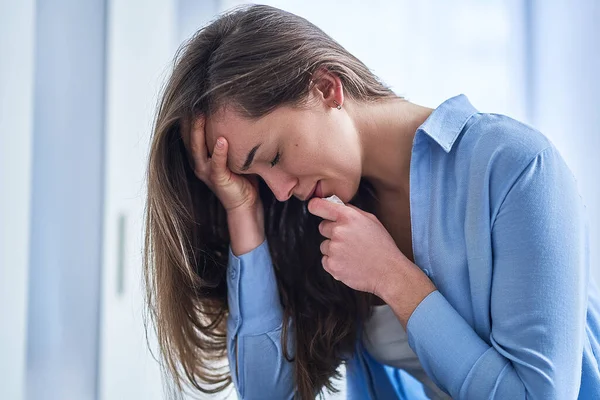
(500, 228)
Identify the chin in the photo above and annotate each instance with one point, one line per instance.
(347, 195)
(346, 191)
(353, 193)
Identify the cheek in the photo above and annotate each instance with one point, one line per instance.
(347, 156)
(350, 169)
(324, 146)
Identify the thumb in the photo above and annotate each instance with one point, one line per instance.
(219, 159)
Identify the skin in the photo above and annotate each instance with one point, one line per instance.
(323, 143)
(338, 147)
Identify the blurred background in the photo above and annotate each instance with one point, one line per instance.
(78, 88)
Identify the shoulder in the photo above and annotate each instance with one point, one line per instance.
(498, 148)
(506, 143)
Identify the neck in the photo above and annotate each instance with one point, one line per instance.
(386, 131)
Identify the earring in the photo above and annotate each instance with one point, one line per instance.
(338, 106)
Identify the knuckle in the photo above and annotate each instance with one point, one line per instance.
(332, 246)
(201, 173)
(335, 231)
(201, 176)
(348, 215)
(201, 170)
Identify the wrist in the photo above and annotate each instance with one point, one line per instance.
(246, 229)
(404, 289)
(392, 284)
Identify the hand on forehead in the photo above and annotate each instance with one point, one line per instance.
(234, 129)
(198, 137)
(216, 126)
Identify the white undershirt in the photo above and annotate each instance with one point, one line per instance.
(387, 342)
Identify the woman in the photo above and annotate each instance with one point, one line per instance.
(458, 266)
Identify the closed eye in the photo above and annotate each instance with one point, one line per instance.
(276, 159)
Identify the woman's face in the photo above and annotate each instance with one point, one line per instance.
(295, 149)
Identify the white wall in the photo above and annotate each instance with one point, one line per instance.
(565, 94)
(17, 28)
(66, 200)
(140, 45)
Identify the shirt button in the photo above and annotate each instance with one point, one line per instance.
(232, 273)
(426, 271)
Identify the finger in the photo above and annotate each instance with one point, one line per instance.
(198, 142)
(325, 209)
(325, 263)
(363, 212)
(325, 247)
(219, 159)
(326, 228)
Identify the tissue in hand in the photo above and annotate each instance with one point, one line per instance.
(334, 199)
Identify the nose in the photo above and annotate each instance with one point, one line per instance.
(282, 185)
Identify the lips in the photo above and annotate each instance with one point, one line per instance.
(316, 191)
(312, 192)
(319, 190)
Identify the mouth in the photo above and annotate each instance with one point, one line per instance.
(312, 192)
(318, 190)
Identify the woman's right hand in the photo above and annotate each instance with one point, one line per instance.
(236, 192)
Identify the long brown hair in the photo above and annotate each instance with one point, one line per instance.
(255, 58)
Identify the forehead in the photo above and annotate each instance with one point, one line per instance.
(242, 134)
(230, 125)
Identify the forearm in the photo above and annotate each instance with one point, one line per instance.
(254, 328)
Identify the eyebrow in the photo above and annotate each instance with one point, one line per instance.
(250, 157)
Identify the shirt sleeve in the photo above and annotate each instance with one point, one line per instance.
(254, 324)
(538, 298)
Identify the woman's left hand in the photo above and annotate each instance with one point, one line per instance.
(358, 250)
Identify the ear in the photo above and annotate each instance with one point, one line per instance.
(327, 87)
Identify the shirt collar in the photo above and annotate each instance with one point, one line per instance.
(446, 122)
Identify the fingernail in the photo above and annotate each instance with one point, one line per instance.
(220, 143)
